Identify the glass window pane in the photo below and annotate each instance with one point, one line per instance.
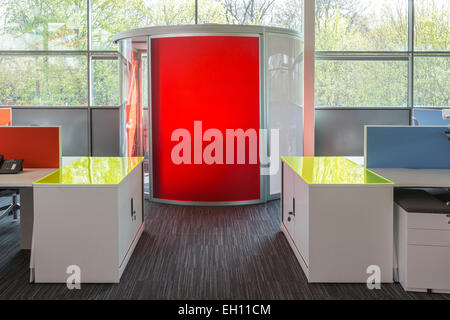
(111, 16)
(432, 81)
(105, 82)
(43, 25)
(429, 117)
(361, 83)
(361, 25)
(43, 80)
(279, 13)
(432, 25)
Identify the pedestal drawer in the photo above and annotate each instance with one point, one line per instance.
(428, 267)
(429, 237)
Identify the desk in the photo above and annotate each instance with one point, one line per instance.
(423, 178)
(23, 182)
(411, 178)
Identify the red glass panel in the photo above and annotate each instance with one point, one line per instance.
(215, 80)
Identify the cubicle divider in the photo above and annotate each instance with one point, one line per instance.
(39, 147)
(424, 147)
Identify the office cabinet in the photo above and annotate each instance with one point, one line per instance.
(341, 221)
(423, 246)
(88, 214)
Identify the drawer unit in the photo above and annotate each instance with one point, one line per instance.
(429, 221)
(423, 246)
(428, 268)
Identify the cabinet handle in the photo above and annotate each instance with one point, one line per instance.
(293, 207)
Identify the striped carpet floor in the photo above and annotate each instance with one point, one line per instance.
(196, 253)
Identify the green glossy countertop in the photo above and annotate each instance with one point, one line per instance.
(333, 170)
(92, 171)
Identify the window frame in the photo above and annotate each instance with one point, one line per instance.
(408, 55)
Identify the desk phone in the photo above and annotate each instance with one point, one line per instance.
(10, 166)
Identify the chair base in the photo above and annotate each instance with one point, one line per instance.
(11, 209)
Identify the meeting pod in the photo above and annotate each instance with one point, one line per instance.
(211, 108)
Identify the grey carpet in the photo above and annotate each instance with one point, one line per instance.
(196, 253)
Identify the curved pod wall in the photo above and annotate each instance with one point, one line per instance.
(213, 91)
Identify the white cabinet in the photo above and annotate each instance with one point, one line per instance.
(93, 224)
(337, 229)
(423, 245)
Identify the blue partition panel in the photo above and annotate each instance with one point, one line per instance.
(407, 147)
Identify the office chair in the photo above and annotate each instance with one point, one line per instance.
(13, 207)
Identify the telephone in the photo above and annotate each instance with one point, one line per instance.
(10, 166)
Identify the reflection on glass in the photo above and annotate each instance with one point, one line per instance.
(332, 170)
(93, 170)
(361, 83)
(43, 80)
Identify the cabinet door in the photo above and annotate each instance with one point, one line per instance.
(288, 217)
(130, 211)
(301, 196)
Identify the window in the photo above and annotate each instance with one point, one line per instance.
(105, 81)
(431, 81)
(361, 83)
(361, 25)
(432, 25)
(43, 25)
(113, 16)
(384, 54)
(278, 13)
(43, 80)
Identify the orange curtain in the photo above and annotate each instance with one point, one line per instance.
(5, 117)
(132, 107)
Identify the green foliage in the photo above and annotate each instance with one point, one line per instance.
(341, 25)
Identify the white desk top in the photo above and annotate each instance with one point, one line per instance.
(424, 178)
(24, 178)
(28, 176)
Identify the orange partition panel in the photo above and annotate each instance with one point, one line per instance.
(5, 117)
(39, 147)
